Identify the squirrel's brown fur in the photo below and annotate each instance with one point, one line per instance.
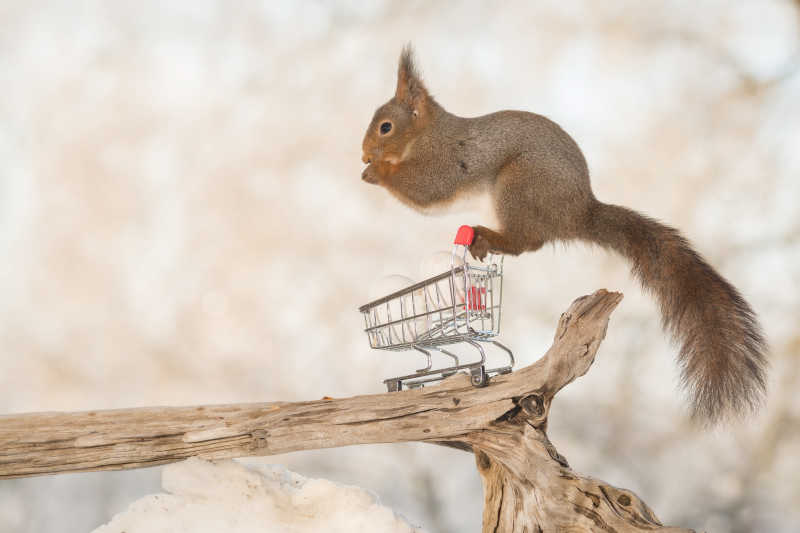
(539, 183)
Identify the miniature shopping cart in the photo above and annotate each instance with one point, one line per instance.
(461, 305)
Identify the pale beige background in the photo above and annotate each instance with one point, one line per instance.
(182, 222)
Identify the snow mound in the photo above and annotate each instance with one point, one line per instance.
(206, 497)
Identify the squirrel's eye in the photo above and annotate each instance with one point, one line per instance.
(386, 127)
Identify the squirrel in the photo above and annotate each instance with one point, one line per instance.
(538, 181)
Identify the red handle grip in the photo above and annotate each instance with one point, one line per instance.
(464, 236)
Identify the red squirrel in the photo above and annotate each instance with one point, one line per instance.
(539, 185)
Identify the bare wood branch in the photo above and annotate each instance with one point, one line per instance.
(528, 484)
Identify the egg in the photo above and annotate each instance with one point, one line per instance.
(400, 309)
(438, 295)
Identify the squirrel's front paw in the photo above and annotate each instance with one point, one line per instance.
(370, 175)
(479, 247)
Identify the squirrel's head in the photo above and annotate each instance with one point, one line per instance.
(399, 121)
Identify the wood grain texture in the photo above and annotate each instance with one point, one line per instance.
(528, 485)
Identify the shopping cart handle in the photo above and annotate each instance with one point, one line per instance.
(464, 236)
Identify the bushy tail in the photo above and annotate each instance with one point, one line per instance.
(723, 352)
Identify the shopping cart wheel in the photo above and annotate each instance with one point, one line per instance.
(393, 385)
(478, 376)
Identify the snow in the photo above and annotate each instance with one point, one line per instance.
(203, 496)
(182, 222)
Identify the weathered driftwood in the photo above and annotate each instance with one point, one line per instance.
(528, 485)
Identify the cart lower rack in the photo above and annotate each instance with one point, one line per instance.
(459, 306)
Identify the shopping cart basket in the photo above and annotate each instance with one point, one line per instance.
(461, 305)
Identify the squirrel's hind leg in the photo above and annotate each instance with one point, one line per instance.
(487, 240)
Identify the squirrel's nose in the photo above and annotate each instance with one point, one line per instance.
(366, 159)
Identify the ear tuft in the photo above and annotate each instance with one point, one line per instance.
(410, 89)
(406, 68)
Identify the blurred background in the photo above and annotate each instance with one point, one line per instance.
(182, 221)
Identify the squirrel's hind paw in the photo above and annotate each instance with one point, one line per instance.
(479, 247)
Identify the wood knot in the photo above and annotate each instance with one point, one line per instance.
(535, 407)
(258, 439)
(482, 460)
(628, 506)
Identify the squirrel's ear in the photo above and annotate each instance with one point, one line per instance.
(410, 89)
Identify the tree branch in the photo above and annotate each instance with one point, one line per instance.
(527, 483)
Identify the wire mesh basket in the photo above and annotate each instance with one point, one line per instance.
(461, 305)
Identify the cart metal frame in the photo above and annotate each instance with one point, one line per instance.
(462, 305)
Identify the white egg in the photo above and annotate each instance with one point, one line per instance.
(386, 285)
(400, 309)
(438, 295)
(437, 263)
